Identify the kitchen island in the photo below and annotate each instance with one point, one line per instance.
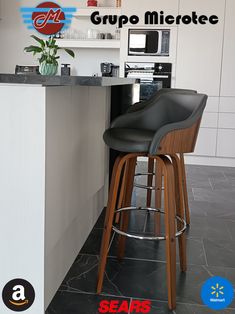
(54, 174)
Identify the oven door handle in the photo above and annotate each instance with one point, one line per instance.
(146, 81)
(161, 76)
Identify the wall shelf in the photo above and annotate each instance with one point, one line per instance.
(86, 12)
(95, 43)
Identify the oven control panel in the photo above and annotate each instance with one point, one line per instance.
(152, 76)
(139, 70)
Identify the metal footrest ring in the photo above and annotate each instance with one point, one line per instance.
(144, 174)
(142, 186)
(143, 237)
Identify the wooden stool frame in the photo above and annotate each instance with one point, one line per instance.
(175, 142)
(173, 206)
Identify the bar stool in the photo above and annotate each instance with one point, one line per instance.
(150, 173)
(161, 130)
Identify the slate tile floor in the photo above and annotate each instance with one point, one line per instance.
(142, 275)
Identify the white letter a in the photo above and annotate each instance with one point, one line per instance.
(19, 293)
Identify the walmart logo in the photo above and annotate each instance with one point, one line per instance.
(217, 293)
(217, 290)
(47, 18)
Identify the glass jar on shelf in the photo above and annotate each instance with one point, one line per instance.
(117, 34)
(118, 3)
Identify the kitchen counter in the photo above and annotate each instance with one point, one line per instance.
(64, 80)
(54, 169)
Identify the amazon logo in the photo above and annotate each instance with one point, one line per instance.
(18, 295)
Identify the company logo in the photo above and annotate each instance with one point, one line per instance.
(115, 306)
(47, 18)
(217, 293)
(217, 290)
(154, 18)
(18, 295)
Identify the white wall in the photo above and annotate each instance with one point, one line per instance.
(14, 36)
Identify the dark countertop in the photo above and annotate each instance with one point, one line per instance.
(64, 80)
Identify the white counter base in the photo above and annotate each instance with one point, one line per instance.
(53, 182)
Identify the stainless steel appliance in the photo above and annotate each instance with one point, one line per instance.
(149, 42)
(65, 69)
(27, 69)
(152, 76)
(109, 69)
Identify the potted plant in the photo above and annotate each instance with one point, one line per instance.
(48, 49)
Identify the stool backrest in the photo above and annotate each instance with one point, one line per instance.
(140, 105)
(174, 118)
(180, 121)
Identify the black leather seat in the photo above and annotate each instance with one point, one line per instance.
(129, 140)
(142, 131)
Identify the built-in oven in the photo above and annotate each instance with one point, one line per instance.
(152, 77)
(149, 42)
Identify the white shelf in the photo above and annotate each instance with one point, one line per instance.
(86, 12)
(95, 43)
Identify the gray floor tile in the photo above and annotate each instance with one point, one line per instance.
(140, 279)
(211, 252)
(224, 184)
(207, 195)
(155, 250)
(100, 221)
(162, 308)
(195, 182)
(231, 228)
(207, 227)
(205, 171)
(213, 209)
(76, 303)
(93, 243)
(229, 173)
(220, 252)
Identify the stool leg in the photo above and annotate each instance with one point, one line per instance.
(185, 191)
(158, 196)
(150, 181)
(121, 195)
(169, 199)
(180, 211)
(126, 203)
(112, 200)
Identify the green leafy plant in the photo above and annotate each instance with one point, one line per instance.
(48, 50)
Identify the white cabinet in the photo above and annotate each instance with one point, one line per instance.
(225, 145)
(210, 116)
(200, 48)
(132, 7)
(207, 138)
(206, 142)
(210, 120)
(212, 104)
(227, 104)
(226, 131)
(228, 68)
(227, 120)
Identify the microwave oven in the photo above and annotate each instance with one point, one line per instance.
(149, 42)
